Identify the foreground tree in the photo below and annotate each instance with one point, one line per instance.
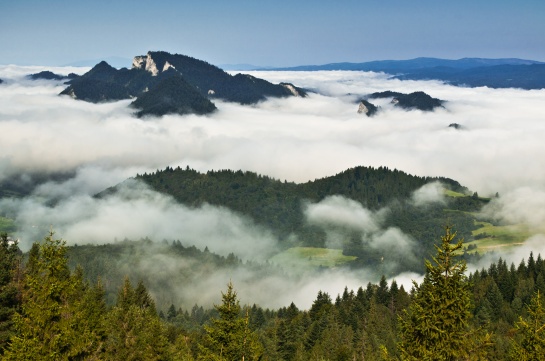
(229, 336)
(530, 344)
(60, 315)
(9, 300)
(436, 325)
(135, 332)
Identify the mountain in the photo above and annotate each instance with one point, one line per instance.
(212, 81)
(402, 66)
(46, 75)
(280, 206)
(495, 73)
(530, 76)
(367, 108)
(106, 83)
(416, 100)
(173, 95)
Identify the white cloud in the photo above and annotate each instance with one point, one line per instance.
(294, 139)
(428, 194)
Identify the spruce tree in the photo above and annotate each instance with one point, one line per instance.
(229, 337)
(9, 301)
(60, 315)
(530, 344)
(135, 331)
(436, 325)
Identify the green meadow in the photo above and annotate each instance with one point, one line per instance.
(308, 258)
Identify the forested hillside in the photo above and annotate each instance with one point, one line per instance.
(49, 312)
(281, 206)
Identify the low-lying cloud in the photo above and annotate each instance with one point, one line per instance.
(428, 194)
(136, 212)
(294, 139)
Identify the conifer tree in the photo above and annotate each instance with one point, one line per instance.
(229, 337)
(436, 325)
(59, 315)
(531, 343)
(9, 301)
(135, 331)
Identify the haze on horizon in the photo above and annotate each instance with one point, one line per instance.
(267, 33)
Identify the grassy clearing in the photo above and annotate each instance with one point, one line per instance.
(498, 237)
(307, 258)
(454, 194)
(6, 225)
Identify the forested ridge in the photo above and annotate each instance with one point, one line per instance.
(280, 206)
(48, 311)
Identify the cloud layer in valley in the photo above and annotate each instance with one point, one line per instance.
(296, 139)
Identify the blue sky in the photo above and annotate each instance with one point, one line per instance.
(275, 33)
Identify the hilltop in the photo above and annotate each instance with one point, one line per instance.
(282, 207)
(201, 82)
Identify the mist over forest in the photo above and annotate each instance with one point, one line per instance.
(319, 218)
(67, 151)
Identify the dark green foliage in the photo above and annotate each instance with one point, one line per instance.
(10, 258)
(111, 263)
(135, 332)
(60, 315)
(385, 94)
(229, 337)
(65, 318)
(437, 324)
(530, 341)
(280, 206)
(173, 95)
(416, 100)
(23, 184)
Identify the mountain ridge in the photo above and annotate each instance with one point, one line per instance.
(106, 83)
(472, 72)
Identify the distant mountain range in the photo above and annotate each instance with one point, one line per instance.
(166, 83)
(473, 72)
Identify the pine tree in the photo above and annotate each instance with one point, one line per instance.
(135, 331)
(9, 300)
(436, 325)
(531, 343)
(60, 315)
(229, 337)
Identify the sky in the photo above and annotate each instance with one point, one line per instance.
(269, 33)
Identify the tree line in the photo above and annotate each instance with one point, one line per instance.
(49, 312)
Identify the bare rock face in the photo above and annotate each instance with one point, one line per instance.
(363, 109)
(367, 108)
(146, 63)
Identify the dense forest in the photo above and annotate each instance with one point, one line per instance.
(280, 206)
(48, 311)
